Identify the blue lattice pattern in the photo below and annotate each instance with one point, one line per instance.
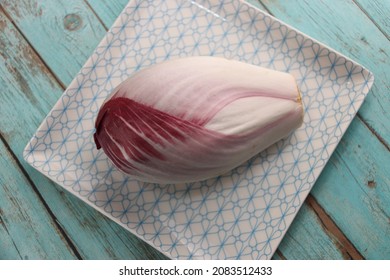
(240, 215)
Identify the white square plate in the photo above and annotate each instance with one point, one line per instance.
(244, 214)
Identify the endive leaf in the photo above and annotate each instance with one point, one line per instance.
(195, 118)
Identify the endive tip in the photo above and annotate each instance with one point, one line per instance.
(300, 102)
(299, 98)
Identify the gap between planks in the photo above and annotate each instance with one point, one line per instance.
(62, 232)
(6, 229)
(8, 16)
(19, 164)
(371, 19)
(348, 250)
(70, 243)
(96, 15)
(372, 130)
(280, 254)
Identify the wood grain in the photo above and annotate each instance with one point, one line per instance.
(29, 92)
(26, 229)
(62, 32)
(346, 247)
(346, 191)
(307, 239)
(379, 12)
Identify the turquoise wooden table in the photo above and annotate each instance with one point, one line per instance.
(44, 43)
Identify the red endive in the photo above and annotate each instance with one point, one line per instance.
(195, 118)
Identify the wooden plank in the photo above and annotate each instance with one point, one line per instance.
(28, 92)
(354, 191)
(26, 228)
(379, 12)
(356, 37)
(68, 32)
